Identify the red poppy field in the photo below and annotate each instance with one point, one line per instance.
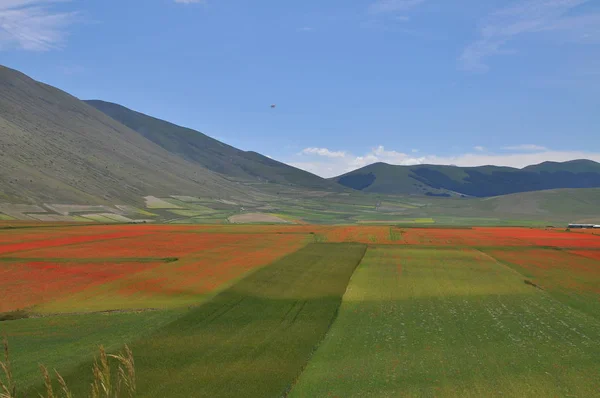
(93, 268)
(433, 311)
(101, 268)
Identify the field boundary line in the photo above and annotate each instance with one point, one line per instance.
(103, 312)
(287, 391)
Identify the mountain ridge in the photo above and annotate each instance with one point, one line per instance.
(54, 147)
(210, 153)
(478, 181)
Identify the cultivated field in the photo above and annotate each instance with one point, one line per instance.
(451, 322)
(307, 310)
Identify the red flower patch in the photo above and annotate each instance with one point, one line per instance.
(23, 285)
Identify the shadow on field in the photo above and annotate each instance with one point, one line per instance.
(253, 339)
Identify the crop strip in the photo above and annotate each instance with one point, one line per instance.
(417, 323)
(253, 339)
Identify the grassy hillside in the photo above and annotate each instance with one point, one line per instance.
(482, 181)
(573, 166)
(56, 148)
(557, 206)
(571, 204)
(210, 153)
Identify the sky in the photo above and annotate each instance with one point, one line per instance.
(464, 82)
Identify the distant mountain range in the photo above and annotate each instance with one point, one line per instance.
(55, 148)
(484, 181)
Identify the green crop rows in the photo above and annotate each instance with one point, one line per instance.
(251, 340)
(453, 323)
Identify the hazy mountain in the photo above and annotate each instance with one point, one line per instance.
(56, 148)
(210, 153)
(481, 181)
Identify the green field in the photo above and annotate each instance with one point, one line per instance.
(64, 342)
(251, 340)
(453, 323)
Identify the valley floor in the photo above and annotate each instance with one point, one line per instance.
(306, 310)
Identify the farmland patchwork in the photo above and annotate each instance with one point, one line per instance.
(307, 310)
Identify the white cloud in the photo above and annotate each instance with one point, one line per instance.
(321, 163)
(323, 152)
(305, 29)
(190, 1)
(526, 148)
(327, 163)
(479, 148)
(529, 17)
(387, 6)
(33, 24)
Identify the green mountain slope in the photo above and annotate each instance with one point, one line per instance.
(573, 166)
(550, 206)
(210, 153)
(577, 205)
(484, 181)
(56, 148)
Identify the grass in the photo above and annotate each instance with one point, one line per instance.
(98, 218)
(103, 385)
(13, 315)
(573, 279)
(65, 342)
(190, 213)
(452, 323)
(253, 339)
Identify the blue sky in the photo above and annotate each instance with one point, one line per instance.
(464, 82)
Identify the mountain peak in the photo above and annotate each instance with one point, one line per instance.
(484, 181)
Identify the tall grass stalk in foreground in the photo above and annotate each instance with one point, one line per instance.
(101, 387)
(7, 385)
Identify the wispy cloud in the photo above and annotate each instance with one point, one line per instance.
(389, 13)
(343, 162)
(479, 148)
(305, 29)
(190, 1)
(387, 6)
(526, 148)
(33, 25)
(529, 17)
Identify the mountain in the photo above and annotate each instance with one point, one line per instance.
(574, 205)
(484, 181)
(573, 166)
(210, 153)
(549, 206)
(55, 148)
